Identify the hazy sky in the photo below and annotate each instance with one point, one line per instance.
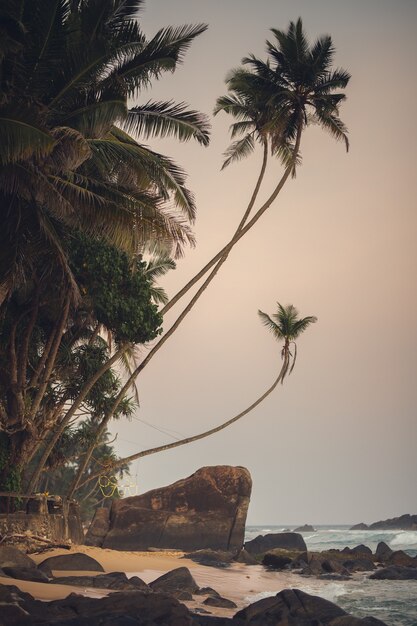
(336, 443)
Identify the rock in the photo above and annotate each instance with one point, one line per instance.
(331, 576)
(205, 510)
(360, 526)
(307, 528)
(74, 561)
(115, 580)
(26, 573)
(14, 615)
(395, 572)
(211, 558)
(276, 559)
(404, 522)
(123, 608)
(98, 528)
(383, 551)
(246, 558)
(207, 591)
(293, 607)
(361, 549)
(218, 601)
(12, 557)
(265, 543)
(359, 565)
(177, 579)
(399, 557)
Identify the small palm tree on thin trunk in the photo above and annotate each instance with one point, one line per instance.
(286, 326)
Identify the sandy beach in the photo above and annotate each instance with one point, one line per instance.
(239, 583)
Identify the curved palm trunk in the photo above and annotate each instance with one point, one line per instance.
(220, 258)
(207, 433)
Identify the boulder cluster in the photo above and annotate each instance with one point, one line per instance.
(289, 551)
(131, 602)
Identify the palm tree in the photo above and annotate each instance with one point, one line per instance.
(286, 326)
(67, 71)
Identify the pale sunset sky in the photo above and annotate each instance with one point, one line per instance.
(337, 442)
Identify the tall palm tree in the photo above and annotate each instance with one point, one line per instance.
(286, 326)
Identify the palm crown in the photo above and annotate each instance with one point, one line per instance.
(67, 156)
(286, 326)
(274, 100)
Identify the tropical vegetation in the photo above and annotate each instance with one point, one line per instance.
(90, 217)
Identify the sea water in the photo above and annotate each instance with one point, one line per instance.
(392, 601)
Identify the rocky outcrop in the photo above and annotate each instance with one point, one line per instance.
(307, 528)
(290, 607)
(404, 522)
(360, 526)
(265, 543)
(12, 557)
(205, 510)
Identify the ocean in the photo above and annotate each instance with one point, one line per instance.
(393, 602)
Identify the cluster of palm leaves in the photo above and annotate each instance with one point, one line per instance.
(71, 154)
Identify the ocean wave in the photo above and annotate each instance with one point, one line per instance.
(405, 538)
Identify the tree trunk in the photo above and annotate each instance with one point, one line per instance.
(207, 433)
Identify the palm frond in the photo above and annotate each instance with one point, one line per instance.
(21, 140)
(239, 150)
(162, 119)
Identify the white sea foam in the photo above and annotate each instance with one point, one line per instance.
(405, 538)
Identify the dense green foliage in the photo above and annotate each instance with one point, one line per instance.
(115, 289)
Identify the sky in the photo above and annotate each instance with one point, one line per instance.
(337, 442)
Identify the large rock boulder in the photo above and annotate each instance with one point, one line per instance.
(98, 528)
(205, 510)
(265, 543)
(395, 572)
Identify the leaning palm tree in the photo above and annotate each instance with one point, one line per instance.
(273, 102)
(286, 326)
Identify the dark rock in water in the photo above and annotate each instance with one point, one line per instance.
(360, 526)
(246, 558)
(331, 576)
(265, 543)
(75, 561)
(404, 522)
(218, 601)
(205, 510)
(307, 528)
(383, 551)
(26, 573)
(399, 557)
(293, 607)
(359, 565)
(212, 558)
(275, 559)
(98, 528)
(395, 572)
(318, 564)
(177, 579)
(12, 557)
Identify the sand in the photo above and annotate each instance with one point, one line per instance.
(239, 583)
